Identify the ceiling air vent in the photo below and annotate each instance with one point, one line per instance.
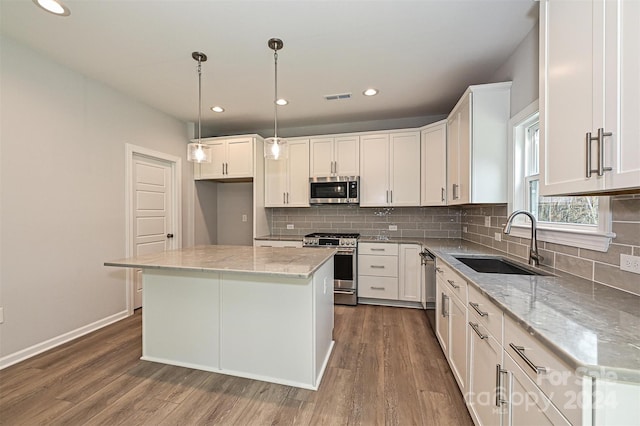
(338, 97)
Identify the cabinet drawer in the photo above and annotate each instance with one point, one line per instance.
(488, 314)
(378, 287)
(454, 282)
(380, 266)
(558, 381)
(277, 243)
(380, 249)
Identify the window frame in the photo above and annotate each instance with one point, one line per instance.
(590, 237)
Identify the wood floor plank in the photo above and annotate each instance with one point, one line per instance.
(386, 369)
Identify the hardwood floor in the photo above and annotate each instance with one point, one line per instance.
(386, 368)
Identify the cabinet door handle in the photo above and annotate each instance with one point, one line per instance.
(520, 351)
(499, 388)
(377, 288)
(476, 307)
(455, 191)
(453, 284)
(287, 198)
(601, 167)
(284, 198)
(445, 302)
(377, 249)
(391, 196)
(442, 194)
(588, 141)
(378, 266)
(387, 196)
(474, 325)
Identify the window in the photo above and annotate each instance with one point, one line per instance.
(578, 221)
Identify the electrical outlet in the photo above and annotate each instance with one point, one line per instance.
(498, 236)
(393, 227)
(465, 229)
(244, 217)
(487, 221)
(290, 226)
(630, 263)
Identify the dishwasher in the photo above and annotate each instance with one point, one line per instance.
(428, 260)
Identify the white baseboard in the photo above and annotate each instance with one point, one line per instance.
(36, 349)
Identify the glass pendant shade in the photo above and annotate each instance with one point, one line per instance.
(276, 148)
(198, 153)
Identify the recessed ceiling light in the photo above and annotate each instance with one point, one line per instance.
(282, 102)
(53, 6)
(370, 92)
(217, 109)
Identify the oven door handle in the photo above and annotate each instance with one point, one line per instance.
(344, 292)
(346, 252)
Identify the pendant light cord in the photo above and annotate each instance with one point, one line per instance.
(199, 102)
(275, 100)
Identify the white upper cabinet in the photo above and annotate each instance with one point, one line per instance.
(477, 145)
(433, 180)
(589, 96)
(287, 181)
(390, 169)
(334, 156)
(232, 158)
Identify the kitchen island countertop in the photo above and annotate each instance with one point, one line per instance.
(287, 262)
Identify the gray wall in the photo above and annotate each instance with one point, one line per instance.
(205, 220)
(235, 200)
(522, 69)
(62, 173)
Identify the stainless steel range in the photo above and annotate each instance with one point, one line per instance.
(345, 284)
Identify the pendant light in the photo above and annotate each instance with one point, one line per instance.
(275, 148)
(196, 151)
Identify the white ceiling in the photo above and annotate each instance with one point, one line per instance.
(421, 55)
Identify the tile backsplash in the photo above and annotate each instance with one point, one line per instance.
(422, 222)
(449, 222)
(592, 265)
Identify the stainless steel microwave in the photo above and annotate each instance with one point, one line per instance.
(334, 190)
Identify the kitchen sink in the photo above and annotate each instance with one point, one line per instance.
(496, 265)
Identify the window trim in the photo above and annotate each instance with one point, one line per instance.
(597, 239)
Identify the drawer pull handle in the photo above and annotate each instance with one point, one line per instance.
(476, 307)
(520, 351)
(499, 388)
(377, 288)
(453, 284)
(377, 249)
(474, 325)
(378, 266)
(445, 302)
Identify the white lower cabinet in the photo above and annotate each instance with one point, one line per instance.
(452, 298)
(527, 404)
(390, 272)
(485, 393)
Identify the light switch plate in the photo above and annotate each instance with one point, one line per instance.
(290, 226)
(393, 227)
(487, 221)
(498, 236)
(1, 315)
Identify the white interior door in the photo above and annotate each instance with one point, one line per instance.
(152, 206)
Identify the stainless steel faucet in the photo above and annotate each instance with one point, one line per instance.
(534, 257)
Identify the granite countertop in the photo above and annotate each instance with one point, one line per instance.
(286, 262)
(590, 326)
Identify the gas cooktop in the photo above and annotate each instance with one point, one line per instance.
(332, 235)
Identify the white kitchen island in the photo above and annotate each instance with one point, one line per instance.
(255, 312)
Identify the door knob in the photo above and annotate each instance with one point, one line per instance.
(169, 235)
